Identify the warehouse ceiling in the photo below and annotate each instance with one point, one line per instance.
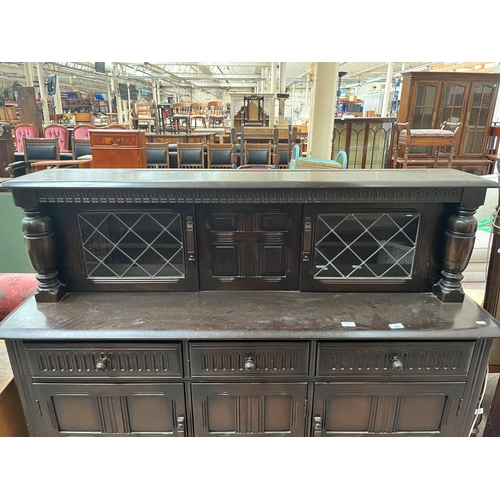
(188, 80)
(208, 76)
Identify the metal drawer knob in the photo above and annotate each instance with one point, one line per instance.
(397, 364)
(102, 363)
(249, 364)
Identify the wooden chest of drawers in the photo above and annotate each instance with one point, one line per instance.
(118, 149)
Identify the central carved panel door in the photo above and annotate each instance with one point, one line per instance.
(242, 409)
(249, 247)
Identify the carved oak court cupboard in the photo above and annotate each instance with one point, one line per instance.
(249, 303)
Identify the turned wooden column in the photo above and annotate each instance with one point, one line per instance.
(459, 240)
(40, 244)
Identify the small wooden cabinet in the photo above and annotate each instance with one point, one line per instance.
(249, 303)
(118, 148)
(430, 98)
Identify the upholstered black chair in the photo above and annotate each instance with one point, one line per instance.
(221, 156)
(34, 150)
(191, 155)
(157, 155)
(257, 154)
(81, 147)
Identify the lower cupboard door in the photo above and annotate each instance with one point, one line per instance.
(242, 409)
(397, 409)
(112, 409)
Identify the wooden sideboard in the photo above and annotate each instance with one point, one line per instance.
(249, 303)
(116, 148)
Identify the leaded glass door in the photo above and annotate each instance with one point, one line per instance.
(146, 248)
(363, 249)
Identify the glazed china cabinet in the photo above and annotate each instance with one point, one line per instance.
(249, 303)
(428, 99)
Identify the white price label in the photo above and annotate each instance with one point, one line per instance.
(396, 326)
(348, 323)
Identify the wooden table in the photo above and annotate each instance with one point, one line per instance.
(42, 165)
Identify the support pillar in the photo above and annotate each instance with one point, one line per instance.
(119, 105)
(28, 70)
(387, 93)
(43, 95)
(323, 102)
(40, 242)
(281, 112)
(57, 98)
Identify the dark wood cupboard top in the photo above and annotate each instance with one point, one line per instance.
(218, 315)
(67, 179)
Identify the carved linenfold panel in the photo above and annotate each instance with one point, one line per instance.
(403, 359)
(248, 409)
(60, 362)
(406, 409)
(252, 360)
(437, 195)
(105, 409)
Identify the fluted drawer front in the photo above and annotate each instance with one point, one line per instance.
(399, 358)
(249, 359)
(106, 360)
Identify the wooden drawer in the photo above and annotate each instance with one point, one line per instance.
(249, 359)
(398, 358)
(104, 360)
(119, 158)
(122, 138)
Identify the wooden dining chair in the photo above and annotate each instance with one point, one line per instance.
(221, 155)
(190, 155)
(257, 154)
(198, 114)
(181, 115)
(157, 155)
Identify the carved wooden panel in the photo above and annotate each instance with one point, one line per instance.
(274, 196)
(251, 359)
(249, 247)
(405, 409)
(112, 409)
(401, 359)
(104, 360)
(249, 409)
